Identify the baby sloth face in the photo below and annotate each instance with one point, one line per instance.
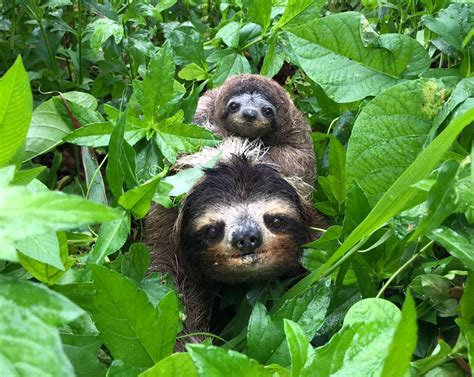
(243, 222)
(249, 115)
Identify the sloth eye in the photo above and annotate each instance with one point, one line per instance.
(234, 106)
(268, 112)
(275, 223)
(212, 232)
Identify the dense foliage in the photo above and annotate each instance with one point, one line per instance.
(96, 102)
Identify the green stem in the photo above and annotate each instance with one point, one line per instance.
(402, 268)
(80, 77)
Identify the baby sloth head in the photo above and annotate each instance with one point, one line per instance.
(253, 106)
(244, 222)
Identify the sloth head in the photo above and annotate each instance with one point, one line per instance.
(253, 106)
(244, 222)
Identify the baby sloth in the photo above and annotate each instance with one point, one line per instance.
(241, 222)
(256, 108)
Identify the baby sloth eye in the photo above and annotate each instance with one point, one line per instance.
(234, 106)
(268, 112)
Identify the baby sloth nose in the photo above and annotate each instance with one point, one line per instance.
(250, 114)
(246, 239)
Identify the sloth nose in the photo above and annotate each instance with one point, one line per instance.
(250, 114)
(246, 239)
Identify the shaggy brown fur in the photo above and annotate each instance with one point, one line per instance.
(289, 144)
(170, 234)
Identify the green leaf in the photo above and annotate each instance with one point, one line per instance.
(25, 214)
(455, 243)
(178, 137)
(452, 24)
(99, 134)
(232, 64)
(466, 305)
(139, 199)
(442, 199)
(31, 345)
(337, 169)
(158, 83)
(94, 181)
(299, 14)
(395, 199)
(43, 248)
(467, 329)
(403, 344)
(259, 11)
(47, 130)
(133, 330)
(266, 334)
(102, 29)
(230, 34)
(114, 170)
(112, 236)
(362, 344)
(357, 208)
(330, 50)
(16, 106)
(178, 364)
(135, 263)
(389, 133)
(212, 361)
(81, 342)
(23, 177)
(273, 60)
(298, 344)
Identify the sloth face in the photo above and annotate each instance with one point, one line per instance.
(243, 222)
(249, 115)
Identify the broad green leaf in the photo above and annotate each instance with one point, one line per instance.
(299, 14)
(43, 248)
(81, 343)
(337, 169)
(357, 208)
(23, 177)
(299, 346)
(187, 43)
(389, 133)
(102, 29)
(135, 263)
(361, 346)
(178, 364)
(46, 273)
(24, 213)
(112, 236)
(403, 344)
(230, 34)
(452, 24)
(266, 334)
(158, 83)
(259, 11)
(213, 361)
(30, 345)
(192, 72)
(178, 137)
(47, 130)
(232, 64)
(456, 243)
(139, 199)
(330, 50)
(120, 369)
(273, 60)
(467, 329)
(395, 199)
(98, 135)
(16, 106)
(133, 330)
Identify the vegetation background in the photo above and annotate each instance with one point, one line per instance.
(96, 101)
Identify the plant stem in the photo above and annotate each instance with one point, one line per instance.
(402, 267)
